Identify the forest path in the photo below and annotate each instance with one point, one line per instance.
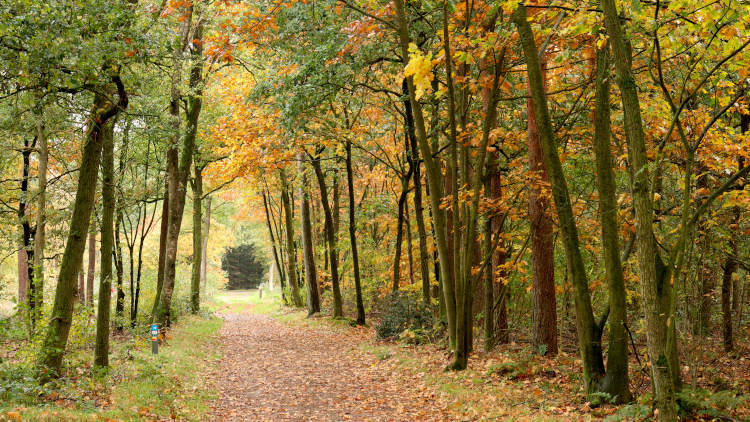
(278, 371)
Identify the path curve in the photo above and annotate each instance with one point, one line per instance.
(272, 371)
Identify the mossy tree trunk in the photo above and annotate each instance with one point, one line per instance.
(101, 350)
(53, 348)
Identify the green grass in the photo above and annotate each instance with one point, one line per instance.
(137, 386)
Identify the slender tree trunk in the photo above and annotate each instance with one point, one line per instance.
(353, 235)
(204, 244)
(195, 285)
(589, 347)
(27, 233)
(178, 177)
(338, 310)
(434, 176)
(399, 233)
(542, 241)
(120, 299)
(729, 268)
(101, 351)
(648, 255)
(290, 250)
(275, 250)
(92, 266)
(409, 248)
(615, 381)
(53, 348)
(81, 290)
(23, 274)
(424, 259)
(133, 300)
(162, 249)
(40, 231)
(311, 273)
(497, 306)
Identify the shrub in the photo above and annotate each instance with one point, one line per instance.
(402, 312)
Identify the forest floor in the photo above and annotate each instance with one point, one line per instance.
(278, 365)
(248, 358)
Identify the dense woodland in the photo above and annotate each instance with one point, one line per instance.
(566, 175)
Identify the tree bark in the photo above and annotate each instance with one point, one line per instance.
(23, 274)
(590, 349)
(275, 250)
(541, 227)
(353, 235)
(615, 381)
(92, 264)
(204, 244)
(311, 273)
(101, 351)
(27, 233)
(53, 348)
(399, 233)
(162, 249)
(180, 172)
(434, 173)
(120, 298)
(424, 259)
(649, 262)
(338, 310)
(290, 250)
(195, 285)
(40, 232)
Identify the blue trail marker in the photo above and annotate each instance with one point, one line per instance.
(155, 339)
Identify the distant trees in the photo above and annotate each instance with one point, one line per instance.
(243, 267)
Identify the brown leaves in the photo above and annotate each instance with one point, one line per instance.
(276, 372)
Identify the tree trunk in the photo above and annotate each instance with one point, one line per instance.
(27, 233)
(434, 176)
(92, 265)
(311, 273)
(338, 310)
(399, 233)
(81, 290)
(615, 381)
(179, 172)
(274, 249)
(204, 244)
(195, 285)
(101, 351)
(591, 356)
(648, 259)
(290, 250)
(162, 249)
(53, 348)
(424, 259)
(353, 235)
(498, 308)
(120, 299)
(40, 232)
(541, 227)
(23, 275)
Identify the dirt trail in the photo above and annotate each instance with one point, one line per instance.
(277, 372)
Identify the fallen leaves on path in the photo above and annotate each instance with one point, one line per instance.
(275, 372)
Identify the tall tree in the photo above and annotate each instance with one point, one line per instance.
(353, 235)
(311, 273)
(53, 348)
(542, 240)
(101, 351)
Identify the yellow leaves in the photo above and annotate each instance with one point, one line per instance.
(14, 416)
(420, 69)
(601, 41)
